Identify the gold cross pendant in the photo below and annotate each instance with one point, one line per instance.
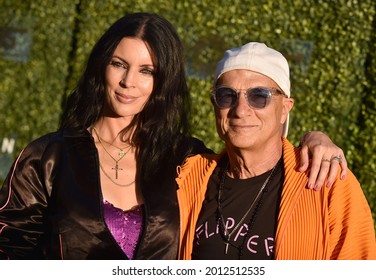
(116, 168)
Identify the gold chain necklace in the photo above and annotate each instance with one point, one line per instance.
(121, 152)
(121, 156)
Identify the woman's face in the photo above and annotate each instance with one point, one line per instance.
(129, 78)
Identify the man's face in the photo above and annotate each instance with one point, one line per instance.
(243, 126)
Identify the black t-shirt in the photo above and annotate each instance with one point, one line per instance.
(238, 195)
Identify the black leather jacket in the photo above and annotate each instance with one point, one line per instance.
(50, 204)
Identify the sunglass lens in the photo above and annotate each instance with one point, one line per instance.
(258, 97)
(225, 97)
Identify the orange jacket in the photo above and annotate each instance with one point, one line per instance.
(333, 223)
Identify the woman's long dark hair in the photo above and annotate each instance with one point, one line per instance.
(164, 118)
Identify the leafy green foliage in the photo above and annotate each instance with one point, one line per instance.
(330, 46)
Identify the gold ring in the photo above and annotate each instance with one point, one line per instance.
(339, 158)
(325, 159)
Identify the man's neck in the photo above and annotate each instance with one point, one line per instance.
(247, 163)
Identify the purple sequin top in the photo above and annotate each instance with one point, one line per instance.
(125, 226)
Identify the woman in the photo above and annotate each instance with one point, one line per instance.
(103, 186)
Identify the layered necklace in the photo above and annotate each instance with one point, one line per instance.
(121, 155)
(224, 232)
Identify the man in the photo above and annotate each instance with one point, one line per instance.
(250, 202)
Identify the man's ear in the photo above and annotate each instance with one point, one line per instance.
(288, 104)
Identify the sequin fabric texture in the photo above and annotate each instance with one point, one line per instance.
(125, 226)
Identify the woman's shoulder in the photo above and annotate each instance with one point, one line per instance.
(195, 146)
(51, 139)
(41, 142)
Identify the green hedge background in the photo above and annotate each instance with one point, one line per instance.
(330, 46)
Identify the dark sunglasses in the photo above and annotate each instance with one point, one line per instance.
(257, 97)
